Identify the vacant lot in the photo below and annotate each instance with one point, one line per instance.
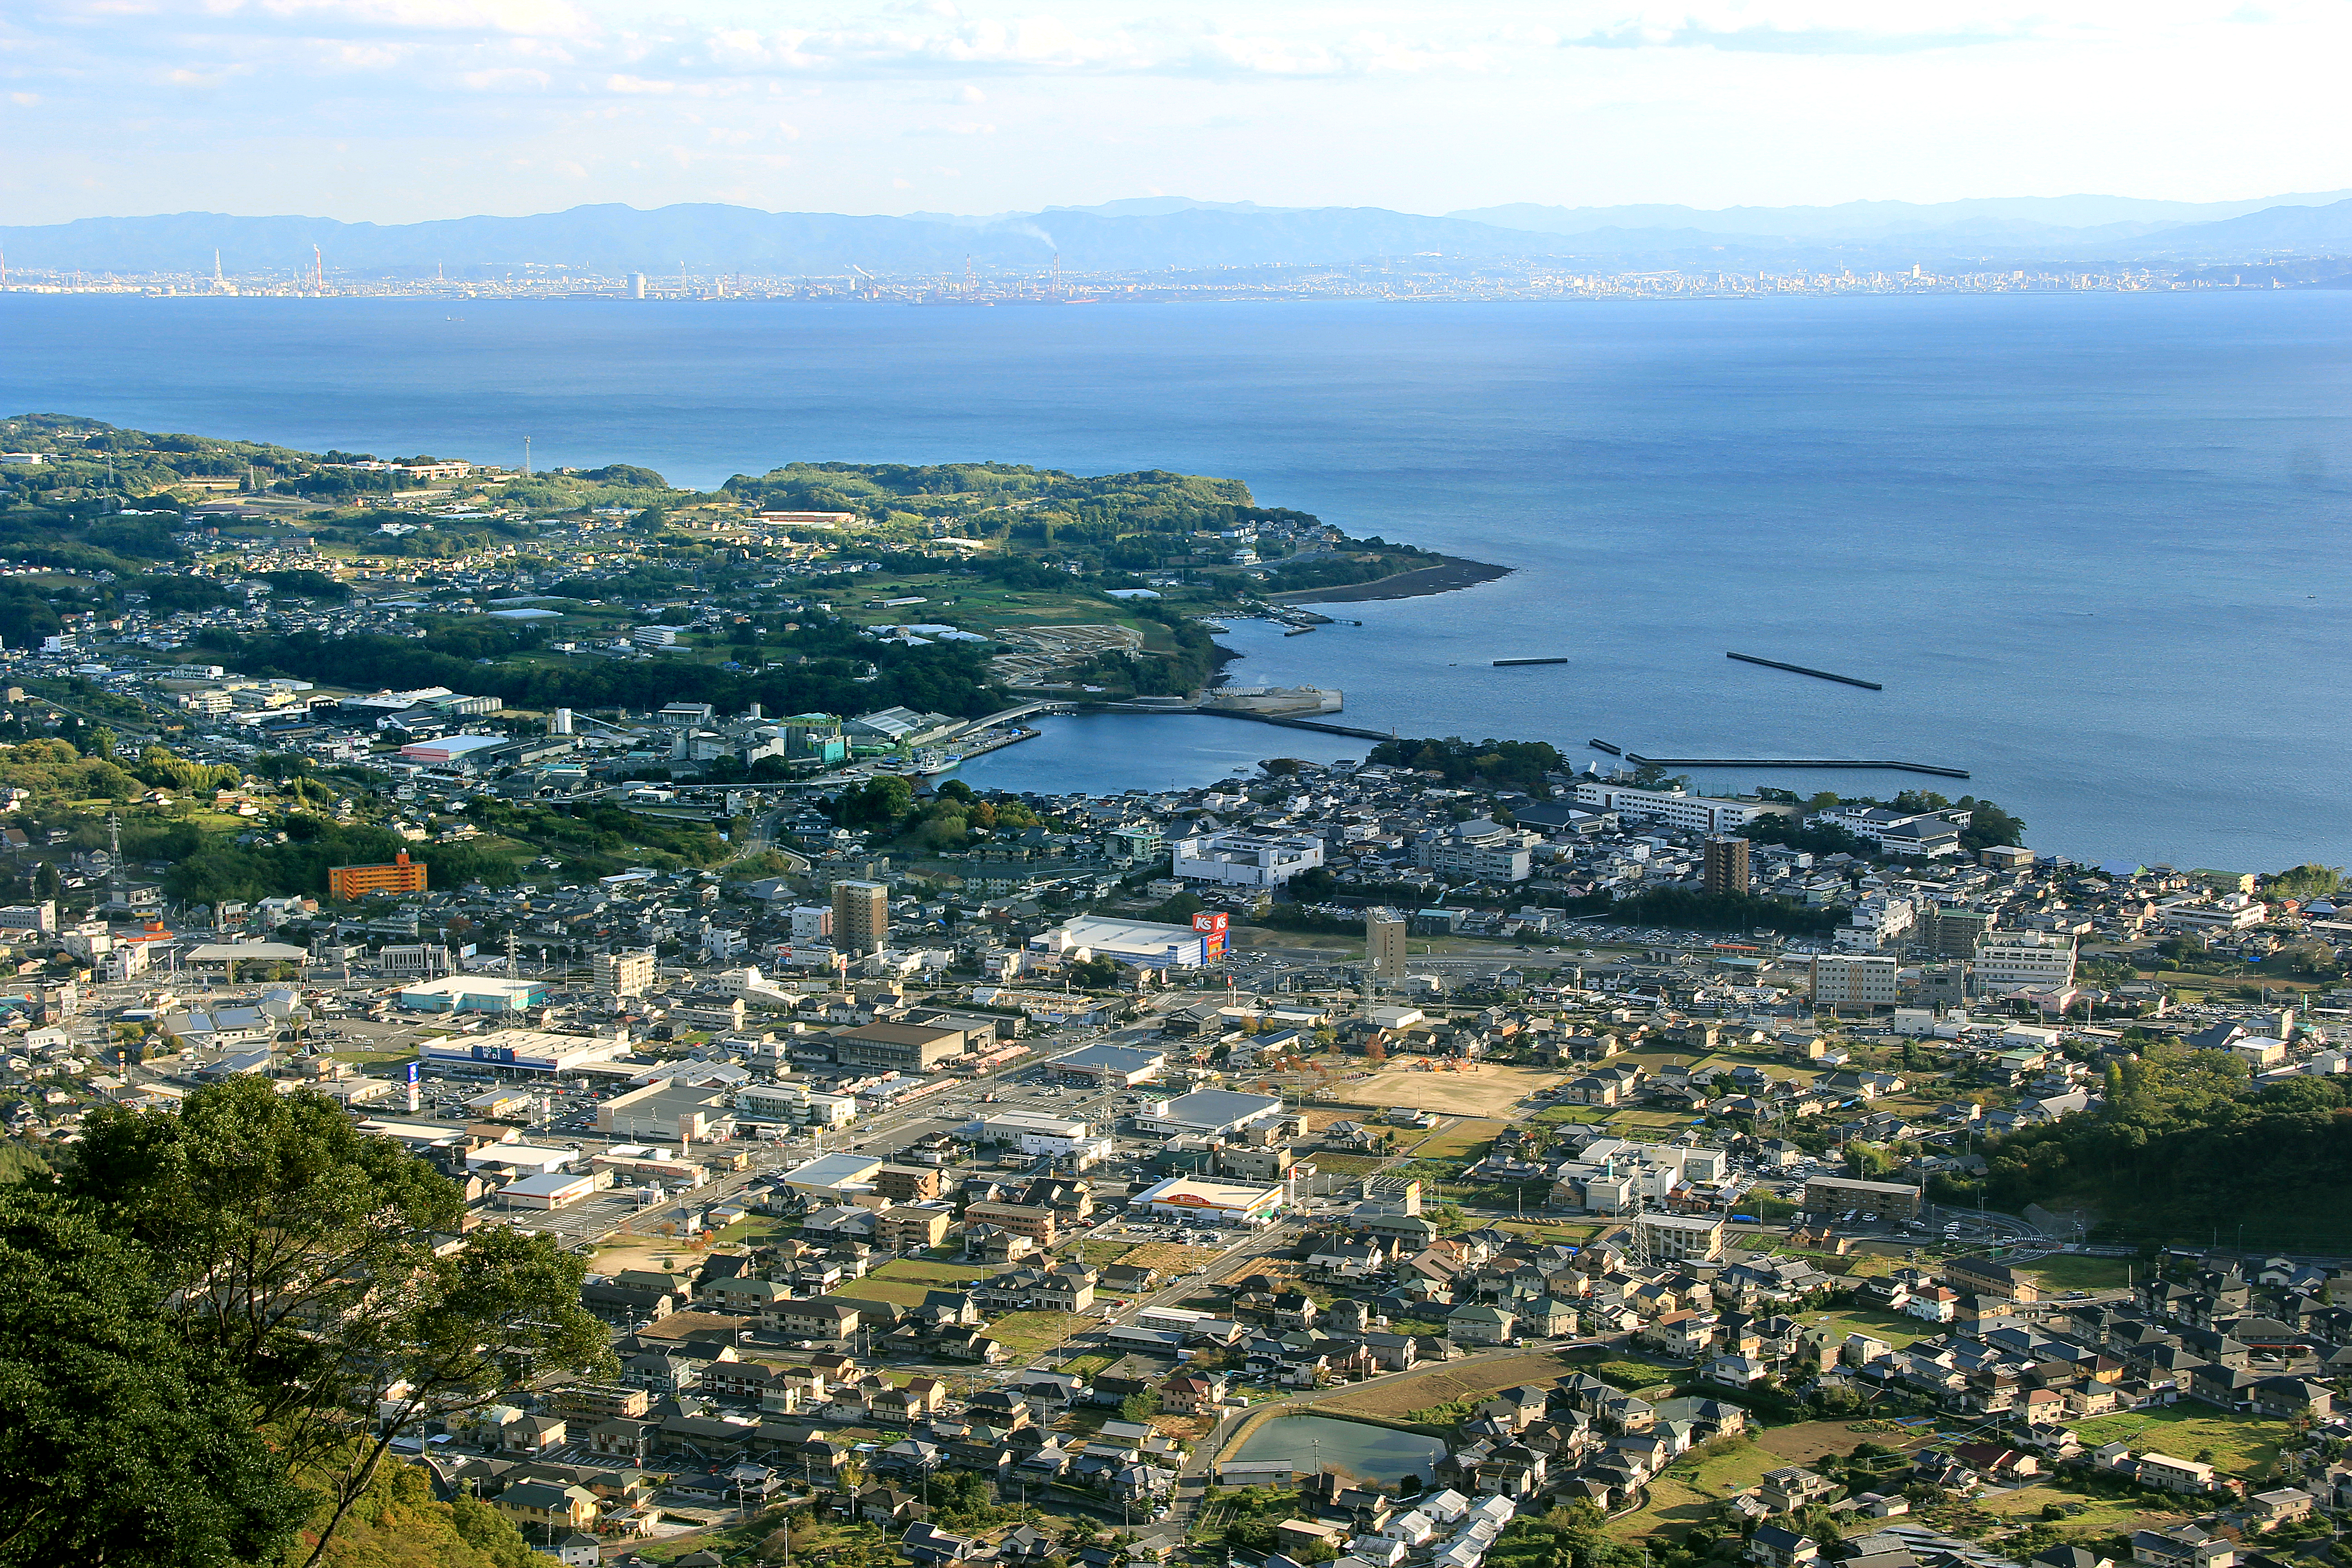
(2100, 1516)
(1444, 1385)
(1027, 1334)
(1098, 1253)
(2238, 1444)
(1689, 1490)
(1481, 1089)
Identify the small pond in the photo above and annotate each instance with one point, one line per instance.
(1368, 1453)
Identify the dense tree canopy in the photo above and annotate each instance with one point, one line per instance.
(209, 1316)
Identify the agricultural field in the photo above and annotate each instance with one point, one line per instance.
(2240, 1445)
(1172, 1258)
(1482, 1089)
(1438, 1385)
(1807, 1441)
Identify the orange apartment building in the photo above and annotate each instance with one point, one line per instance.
(400, 875)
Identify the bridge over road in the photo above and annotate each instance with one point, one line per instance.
(1009, 715)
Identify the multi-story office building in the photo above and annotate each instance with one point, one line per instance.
(1853, 980)
(1957, 933)
(861, 916)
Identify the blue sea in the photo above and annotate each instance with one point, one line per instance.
(2093, 546)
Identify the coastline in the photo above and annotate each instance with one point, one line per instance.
(1449, 573)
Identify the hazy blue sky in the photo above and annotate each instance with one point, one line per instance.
(397, 109)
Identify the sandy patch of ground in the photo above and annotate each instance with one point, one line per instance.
(1481, 1089)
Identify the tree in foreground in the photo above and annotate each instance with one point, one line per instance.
(320, 1270)
(120, 1442)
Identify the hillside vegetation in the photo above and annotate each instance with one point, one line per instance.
(2186, 1150)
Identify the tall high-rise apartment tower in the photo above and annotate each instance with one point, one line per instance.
(1727, 866)
(1384, 948)
(861, 916)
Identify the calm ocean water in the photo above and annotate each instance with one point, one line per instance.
(2093, 546)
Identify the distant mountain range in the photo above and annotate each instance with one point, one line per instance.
(1173, 232)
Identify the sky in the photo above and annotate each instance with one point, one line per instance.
(394, 111)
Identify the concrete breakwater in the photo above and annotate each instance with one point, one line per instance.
(1802, 670)
(1940, 772)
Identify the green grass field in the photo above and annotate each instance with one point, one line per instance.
(2067, 1272)
(2238, 1444)
(1459, 1138)
(941, 1275)
(1893, 1328)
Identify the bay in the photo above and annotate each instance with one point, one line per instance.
(2093, 545)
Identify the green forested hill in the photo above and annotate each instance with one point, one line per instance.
(2186, 1149)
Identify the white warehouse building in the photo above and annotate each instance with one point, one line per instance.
(1246, 859)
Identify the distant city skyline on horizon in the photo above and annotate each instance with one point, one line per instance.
(404, 111)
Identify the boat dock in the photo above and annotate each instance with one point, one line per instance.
(1793, 763)
(1800, 669)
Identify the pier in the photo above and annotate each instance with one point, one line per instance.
(1792, 762)
(1800, 669)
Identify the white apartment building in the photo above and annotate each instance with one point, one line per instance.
(1485, 851)
(2022, 960)
(813, 922)
(1877, 924)
(1246, 859)
(1853, 980)
(1673, 1238)
(629, 973)
(1702, 814)
(654, 637)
